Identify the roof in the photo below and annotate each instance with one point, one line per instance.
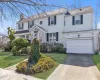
(84, 10)
(39, 27)
(24, 31)
(42, 15)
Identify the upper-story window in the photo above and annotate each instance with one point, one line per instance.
(52, 20)
(30, 24)
(20, 26)
(41, 22)
(78, 19)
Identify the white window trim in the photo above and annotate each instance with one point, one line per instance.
(78, 19)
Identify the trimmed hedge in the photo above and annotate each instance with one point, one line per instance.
(19, 46)
(20, 43)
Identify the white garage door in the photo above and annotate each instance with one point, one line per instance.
(80, 46)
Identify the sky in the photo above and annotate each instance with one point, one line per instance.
(12, 22)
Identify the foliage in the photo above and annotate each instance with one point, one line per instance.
(29, 51)
(11, 33)
(43, 47)
(56, 47)
(97, 52)
(8, 47)
(20, 43)
(35, 55)
(96, 59)
(15, 51)
(43, 64)
(23, 50)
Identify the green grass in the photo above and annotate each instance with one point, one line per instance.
(6, 59)
(96, 59)
(59, 58)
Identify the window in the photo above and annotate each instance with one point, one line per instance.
(52, 37)
(41, 22)
(78, 19)
(30, 24)
(20, 26)
(52, 20)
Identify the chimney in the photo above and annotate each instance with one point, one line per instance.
(21, 17)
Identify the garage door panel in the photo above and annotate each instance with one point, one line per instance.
(80, 46)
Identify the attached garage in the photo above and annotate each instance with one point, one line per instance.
(80, 46)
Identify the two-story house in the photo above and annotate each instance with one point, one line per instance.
(72, 28)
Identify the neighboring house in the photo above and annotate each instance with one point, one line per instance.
(72, 28)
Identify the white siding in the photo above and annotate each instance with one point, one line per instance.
(87, 23)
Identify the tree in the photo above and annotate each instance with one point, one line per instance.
(11, 33)
(26, 7)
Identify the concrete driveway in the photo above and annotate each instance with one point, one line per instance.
(76, 67)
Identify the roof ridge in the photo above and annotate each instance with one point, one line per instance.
(80, 8)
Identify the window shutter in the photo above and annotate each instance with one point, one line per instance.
(18, 26)
(32, 22)
(55, 20)
(73, 20)
(56, 36)
(47, 36)
(48, 20)
(22, 25)
(81, 19)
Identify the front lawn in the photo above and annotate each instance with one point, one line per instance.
(6, 59)
(59, 58)
(96, 59)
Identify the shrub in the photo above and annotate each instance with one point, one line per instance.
(35, 55)
(29, 50)
(43, 64)
(20, 43)
(8, 47)
(46, 47)
(14, 51)
(96, 52)
(43, 47)
(23, 50)
(56, 47)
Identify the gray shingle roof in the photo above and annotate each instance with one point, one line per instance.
(54, 12)
(84, 10)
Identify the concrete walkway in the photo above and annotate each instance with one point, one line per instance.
(76, 67)
(12, 75)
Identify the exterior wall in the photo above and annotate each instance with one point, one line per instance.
(87, 23)
(24, 28)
